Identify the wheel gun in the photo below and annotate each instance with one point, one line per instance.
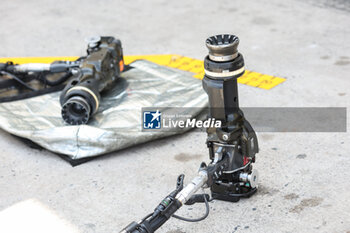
(80, 98)
(87, 77)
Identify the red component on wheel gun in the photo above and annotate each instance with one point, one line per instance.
(245, 160)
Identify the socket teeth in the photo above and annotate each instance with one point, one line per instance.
(222, 40)
(76, 111)
(222, 47)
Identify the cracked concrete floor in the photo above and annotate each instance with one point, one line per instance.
(304, 185)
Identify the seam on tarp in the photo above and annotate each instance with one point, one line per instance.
(77, 142)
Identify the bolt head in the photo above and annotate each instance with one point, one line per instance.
(225, 137)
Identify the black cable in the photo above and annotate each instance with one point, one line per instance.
(180, 183)
(147, 216)
(81, 58)
(14, 77)
(195, 219)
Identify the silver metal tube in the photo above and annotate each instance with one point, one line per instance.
(185, 194)
(32, 67)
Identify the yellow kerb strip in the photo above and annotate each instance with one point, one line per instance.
(195, 66)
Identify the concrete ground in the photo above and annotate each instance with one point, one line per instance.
(304, 185)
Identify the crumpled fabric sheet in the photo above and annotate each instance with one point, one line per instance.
(118, 122)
